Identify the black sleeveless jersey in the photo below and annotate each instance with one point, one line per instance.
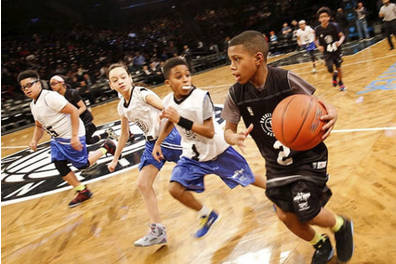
(73, 97)
(283, 165)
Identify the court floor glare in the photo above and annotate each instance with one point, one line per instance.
(102, 230)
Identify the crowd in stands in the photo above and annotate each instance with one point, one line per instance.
(82, 54)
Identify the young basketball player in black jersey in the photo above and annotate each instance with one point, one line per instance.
(329, 39)
(296, 181)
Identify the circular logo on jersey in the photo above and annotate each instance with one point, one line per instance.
(26, 175)
(142, 125)
(328, 39)
(266, 124)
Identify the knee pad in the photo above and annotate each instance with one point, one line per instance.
(330, 68)
(61, 166)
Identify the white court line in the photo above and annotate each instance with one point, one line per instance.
(343, 65)
(368, 47)
(15, 147)
(17, 200)
(132, 167)
(362, 129)
(348, 64)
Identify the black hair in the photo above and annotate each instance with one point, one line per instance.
(171, 63)
(28, 74)
(253, 41)
(323, 9)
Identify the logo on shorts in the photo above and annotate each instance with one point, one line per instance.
(266, 124)
(26, 175)
(302, 200)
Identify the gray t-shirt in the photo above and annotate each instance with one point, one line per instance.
(388, 11)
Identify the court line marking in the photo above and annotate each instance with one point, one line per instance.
(347, 64)
(294, 70)
(362, 129)
(132, 167)
(66, 188)
(333, 131)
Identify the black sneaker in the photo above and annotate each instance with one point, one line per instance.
(323, 251)
(344, 241)
(80, 197)
(109, 146)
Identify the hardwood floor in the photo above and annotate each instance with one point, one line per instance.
(102, 230)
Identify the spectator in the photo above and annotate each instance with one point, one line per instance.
(388, 13)
(286, 31)
(342, 22)
(139, 60)
(273, 37)
(186, 54)
(361, 22)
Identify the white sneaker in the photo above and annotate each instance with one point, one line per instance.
(157, 235)
(314, 70)
(111, 134)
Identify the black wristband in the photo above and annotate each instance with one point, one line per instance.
(185, 123)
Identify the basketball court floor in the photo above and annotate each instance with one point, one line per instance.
(38, 227)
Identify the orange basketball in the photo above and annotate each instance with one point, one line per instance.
(296, 122)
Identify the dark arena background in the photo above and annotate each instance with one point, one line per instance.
(80, 39)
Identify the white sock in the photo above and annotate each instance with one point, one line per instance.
(203, 212)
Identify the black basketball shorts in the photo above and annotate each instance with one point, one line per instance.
(303, 198)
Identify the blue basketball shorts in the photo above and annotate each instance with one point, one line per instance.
(171, 150)
(311, 46)
(62, 150)
(232, 168)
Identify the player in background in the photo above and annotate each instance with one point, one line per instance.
(143, 107)
(58, 84)
(329, 39)
(60, 119)
(205, 151)
(306, 39)
(296, 180)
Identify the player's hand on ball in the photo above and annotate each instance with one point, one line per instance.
(330, 117)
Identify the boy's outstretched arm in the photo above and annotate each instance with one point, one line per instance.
(206, 129)
(233, 138)
(165, 131)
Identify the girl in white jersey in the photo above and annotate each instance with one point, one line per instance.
(54, 114)
(204, 149)
(143, 107)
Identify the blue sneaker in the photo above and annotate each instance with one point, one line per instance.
(206, 222)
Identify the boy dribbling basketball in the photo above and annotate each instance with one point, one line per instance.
(296, 180)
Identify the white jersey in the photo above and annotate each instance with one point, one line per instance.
(306, 36)
(197, 107)
(46, 110)
(144, 115)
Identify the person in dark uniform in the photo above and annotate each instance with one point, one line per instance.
(329, 39)
(59, 85)
(296, 180)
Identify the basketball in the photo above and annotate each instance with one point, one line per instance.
(296, 122)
